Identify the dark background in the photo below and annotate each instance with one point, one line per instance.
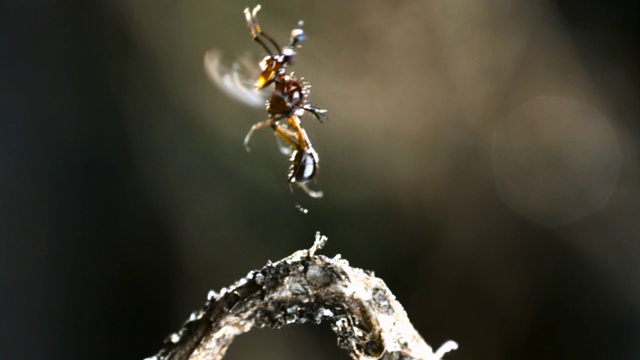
(482, 158)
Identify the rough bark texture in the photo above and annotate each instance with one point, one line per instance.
(304, 288)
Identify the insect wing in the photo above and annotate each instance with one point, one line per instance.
(283, 147)
(235, 81)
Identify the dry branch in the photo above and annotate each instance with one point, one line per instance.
(304, 288)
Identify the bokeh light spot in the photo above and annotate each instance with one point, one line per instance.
(555, 160)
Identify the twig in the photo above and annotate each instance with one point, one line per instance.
(305, 288)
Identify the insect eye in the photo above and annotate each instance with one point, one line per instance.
(289, 56)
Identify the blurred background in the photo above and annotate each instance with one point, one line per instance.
(482, 158)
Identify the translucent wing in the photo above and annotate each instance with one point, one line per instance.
(235, 81)
(284, 148)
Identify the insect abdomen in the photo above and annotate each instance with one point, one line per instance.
(304, 166)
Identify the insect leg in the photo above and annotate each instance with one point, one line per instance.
(289, 137)
(294, 140)
(255, 127)
(312, 193)
(317, 112)
(303, 139)
(295, 200)
(285, 146)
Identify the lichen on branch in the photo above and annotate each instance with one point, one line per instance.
(304, 288)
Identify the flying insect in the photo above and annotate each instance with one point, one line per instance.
(287, 100)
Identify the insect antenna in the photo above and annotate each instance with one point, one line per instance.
(256, 31)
